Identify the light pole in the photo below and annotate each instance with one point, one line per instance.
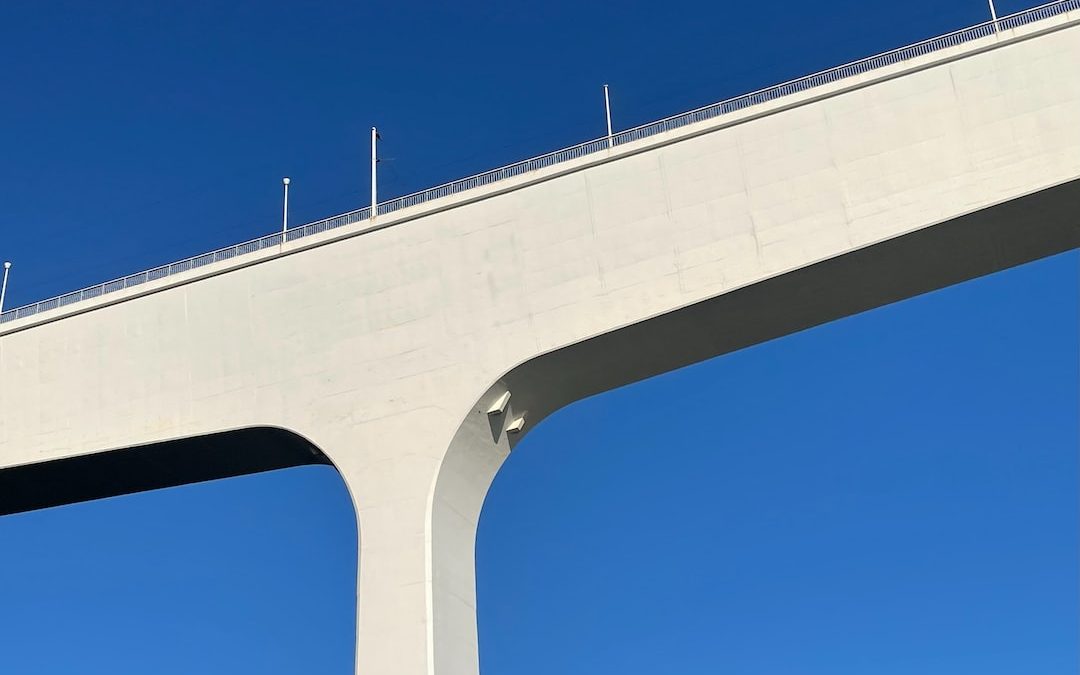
(3, 286)
(285, 210)
(607, 111)
(374, 161)
(993, 14)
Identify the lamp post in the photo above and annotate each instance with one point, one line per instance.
(285, 210)
(993, 14)
(374, 162)
(3, 286)
(607, 111)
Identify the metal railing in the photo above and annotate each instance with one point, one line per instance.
(708, 112)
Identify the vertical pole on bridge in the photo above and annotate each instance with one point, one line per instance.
(3, 286)
(285, 210)
(607, 111)
(374, 162)
(993, 14)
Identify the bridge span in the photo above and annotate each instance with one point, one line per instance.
(412, 350)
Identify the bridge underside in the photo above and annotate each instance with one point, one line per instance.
(151, 467)
(980, 243)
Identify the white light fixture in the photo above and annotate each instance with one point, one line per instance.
(499, 406)
(517, 425)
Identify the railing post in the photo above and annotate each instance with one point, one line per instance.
(993, 15)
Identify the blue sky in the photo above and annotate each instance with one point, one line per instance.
(891, 493)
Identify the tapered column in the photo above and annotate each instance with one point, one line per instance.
(418, 503)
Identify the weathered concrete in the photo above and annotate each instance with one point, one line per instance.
(385, 349)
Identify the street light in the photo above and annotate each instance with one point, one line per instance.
(374, 172)
(607, 111)
(3, 286)
(285, 210)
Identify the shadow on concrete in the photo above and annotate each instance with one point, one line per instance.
(154, 466)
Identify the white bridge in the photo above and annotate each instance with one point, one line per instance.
(412, 348)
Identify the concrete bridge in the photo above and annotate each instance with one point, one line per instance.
(413, 350)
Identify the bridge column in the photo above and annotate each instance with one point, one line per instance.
(467, 471)
(418, 500)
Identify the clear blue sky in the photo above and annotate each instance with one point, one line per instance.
(892, 493)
